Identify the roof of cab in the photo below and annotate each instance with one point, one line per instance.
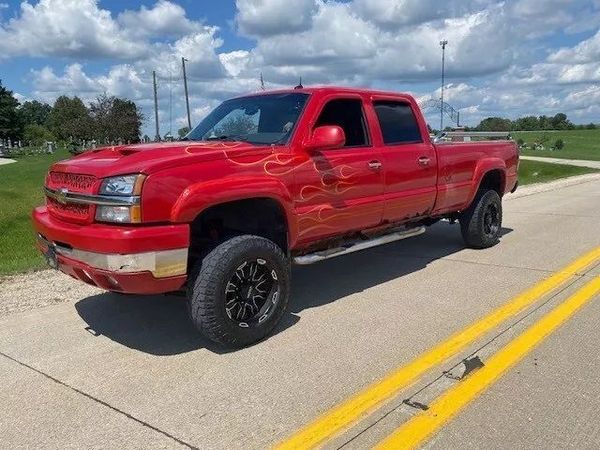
(328, 90)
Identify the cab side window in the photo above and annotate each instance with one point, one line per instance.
(347, 114)
(398, 123)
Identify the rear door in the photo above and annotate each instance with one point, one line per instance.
(340, 190)
(409, 161)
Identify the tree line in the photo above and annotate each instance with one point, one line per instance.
(559, 121)
(106, 120)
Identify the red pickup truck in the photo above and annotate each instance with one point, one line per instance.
(264, 181)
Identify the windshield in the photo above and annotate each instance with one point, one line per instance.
(260, 119)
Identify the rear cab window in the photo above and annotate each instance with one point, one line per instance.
(397, 122)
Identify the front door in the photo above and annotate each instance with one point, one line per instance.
(340, 190)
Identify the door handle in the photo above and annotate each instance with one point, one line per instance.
(375, 165)
(424, 161)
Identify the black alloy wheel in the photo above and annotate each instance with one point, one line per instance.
(252, 292)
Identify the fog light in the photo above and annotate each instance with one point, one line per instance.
(118, 214)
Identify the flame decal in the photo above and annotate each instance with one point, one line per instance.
(335, 180)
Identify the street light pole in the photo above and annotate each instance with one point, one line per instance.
(443, 44)
(157, 136)
(187, 99)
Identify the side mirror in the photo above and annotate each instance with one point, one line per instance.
(326, 137)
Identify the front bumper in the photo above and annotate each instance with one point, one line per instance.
(138, 259)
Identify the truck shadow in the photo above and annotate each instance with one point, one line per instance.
(159, 325)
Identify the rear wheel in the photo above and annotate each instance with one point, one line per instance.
(480, 224)
(240, 291)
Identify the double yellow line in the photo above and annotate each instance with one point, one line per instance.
(355, 408)
(423, 425)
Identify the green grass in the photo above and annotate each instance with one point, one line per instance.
(541, 172)
(579, 144)
(20, 190)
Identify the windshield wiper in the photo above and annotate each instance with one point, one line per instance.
(225, 137)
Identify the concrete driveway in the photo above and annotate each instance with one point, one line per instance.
(80, 368)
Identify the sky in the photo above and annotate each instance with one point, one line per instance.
(504, 58)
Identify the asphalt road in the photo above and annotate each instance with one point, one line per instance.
(80, 368)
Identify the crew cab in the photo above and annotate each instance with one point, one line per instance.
(264, 181)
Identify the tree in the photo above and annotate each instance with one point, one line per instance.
(11, 125)
(34, 112)
(115, 119)
(494, 124)
(127, 120)
(527, 123)
(100, 113)
(37, 134)
(70, 119)
(183, 131)
(560, 122)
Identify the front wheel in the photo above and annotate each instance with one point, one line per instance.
(240, 291)
(481, 222)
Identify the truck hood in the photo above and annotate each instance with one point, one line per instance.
(150, 158)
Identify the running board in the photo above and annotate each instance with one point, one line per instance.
(355, 246)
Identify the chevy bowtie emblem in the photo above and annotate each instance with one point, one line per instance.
(61, 196)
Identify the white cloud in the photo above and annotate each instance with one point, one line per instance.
(584, 52)
(395, 13)
(342, 45)
(271, 17)
(163, 19)
(74, 28)
(235, 62)
(48, 86)
(81, 29)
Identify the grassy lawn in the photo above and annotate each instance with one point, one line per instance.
(541, 172)
(579, 144)
(20, 190)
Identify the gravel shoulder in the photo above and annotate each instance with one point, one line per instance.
(31, 290)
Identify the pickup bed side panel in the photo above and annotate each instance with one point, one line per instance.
(463, 165)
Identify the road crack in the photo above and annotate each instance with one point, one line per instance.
(101, 402)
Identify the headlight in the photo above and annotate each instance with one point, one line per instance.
(122, 186)
(126, 185)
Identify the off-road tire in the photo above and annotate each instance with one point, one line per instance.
(208, 283)
(473, 220)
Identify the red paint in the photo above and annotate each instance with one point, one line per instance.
(325, 190)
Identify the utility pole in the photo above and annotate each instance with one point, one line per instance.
(262, 82)
(157, 136)
(443, 44)
(187, 99)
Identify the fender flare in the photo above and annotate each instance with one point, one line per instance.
(200, 196)
(483, 167)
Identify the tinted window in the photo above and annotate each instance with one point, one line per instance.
(398, 123)
(347, 114)
(260, 119)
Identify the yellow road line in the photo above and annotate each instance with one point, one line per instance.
(420, 427)
(350, 411)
